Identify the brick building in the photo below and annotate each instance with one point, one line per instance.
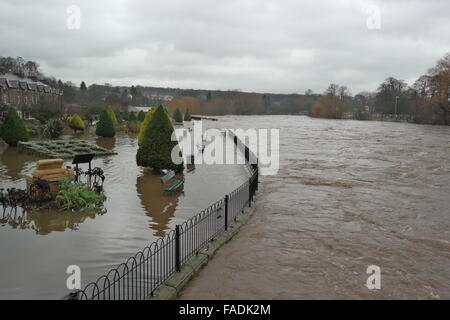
(22, 93)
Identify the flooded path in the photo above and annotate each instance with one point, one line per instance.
(348, 194)
(36, 248)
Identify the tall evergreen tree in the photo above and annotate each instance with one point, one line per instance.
(105, 126)
(83, 86)
(157, 145)
(13, 130)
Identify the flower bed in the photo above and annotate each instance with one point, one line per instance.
(63, 149)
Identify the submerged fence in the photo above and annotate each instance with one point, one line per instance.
(140, 275)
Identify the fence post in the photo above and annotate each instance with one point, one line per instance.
(226, 212)
(177, 248)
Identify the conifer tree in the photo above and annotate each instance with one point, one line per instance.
(157, 145)
(13, 130)
(105, 126)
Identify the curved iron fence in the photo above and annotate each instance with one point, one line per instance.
(140, 275)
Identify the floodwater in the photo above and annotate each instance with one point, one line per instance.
(349, 194)
(37, 247)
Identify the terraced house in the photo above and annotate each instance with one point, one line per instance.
(22, 93)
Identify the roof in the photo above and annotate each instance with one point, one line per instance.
(12, 81)
(137, 109)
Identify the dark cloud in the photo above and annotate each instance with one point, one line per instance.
(255, 45)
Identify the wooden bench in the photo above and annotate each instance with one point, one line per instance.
(172, 186)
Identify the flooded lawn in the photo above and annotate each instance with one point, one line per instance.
(36, 247)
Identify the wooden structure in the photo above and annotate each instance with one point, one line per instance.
(50, 170)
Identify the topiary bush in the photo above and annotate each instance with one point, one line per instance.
(187, 116)
(76, 123)
(144, 124)
(13, 129)
(132, 117)
(141, 116)
(105, 126)
(112, 115)
(178, 116)
(156, 148)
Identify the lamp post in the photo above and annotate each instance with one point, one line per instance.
(396, 102)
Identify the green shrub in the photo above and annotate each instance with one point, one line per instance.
(178, 116)
(187, 116)
(76, 123)
(156, 148)
(132, 117)
(144, 124)
(76, 196)
(53, 129)
(32, 130)
(13, 129)
(141, 116)
(133, 126)
(125, 115)
(112, 115)
(45, 111)
(105, 126)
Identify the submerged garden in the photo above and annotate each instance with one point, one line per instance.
(83, 224)
(50, 184)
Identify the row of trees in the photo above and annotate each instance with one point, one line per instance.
(425, 101)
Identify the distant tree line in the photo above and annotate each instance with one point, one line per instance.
(425, 101)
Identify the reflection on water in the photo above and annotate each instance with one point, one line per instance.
(107, 143)
(37, 247)
(12, 164)
(45, 222)
(158, 205)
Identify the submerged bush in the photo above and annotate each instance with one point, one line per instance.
(187, 116)
(178, 116)
(156, 148)
(112, 115)
(133, 126)
(76, 123)
(141, 115)
(144, 124)
(105, 126)
(76, 196)
(132, 117)
(53, 129)
(13, 129)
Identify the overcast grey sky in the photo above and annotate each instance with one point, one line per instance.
(254, 45)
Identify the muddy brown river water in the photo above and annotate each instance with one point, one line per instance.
(348, 194)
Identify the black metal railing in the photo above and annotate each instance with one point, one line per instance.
(141, 274)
